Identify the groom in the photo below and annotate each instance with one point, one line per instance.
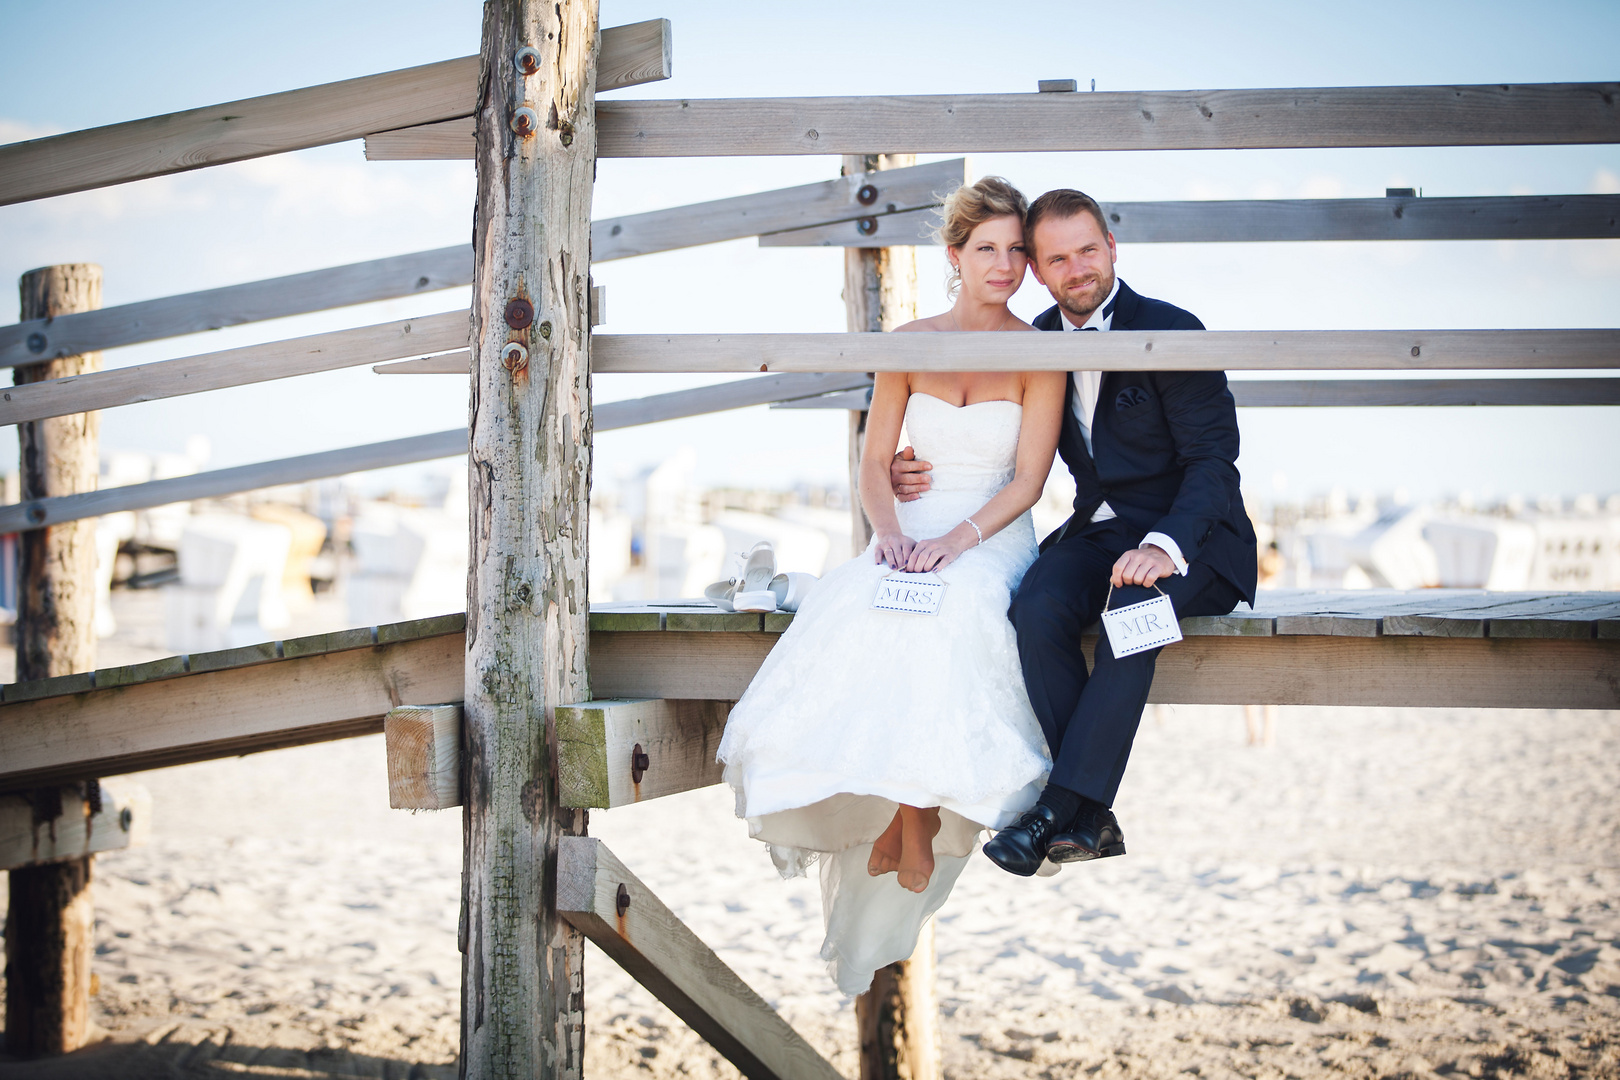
(1156, 503)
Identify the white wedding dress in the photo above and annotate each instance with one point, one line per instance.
(858, 710)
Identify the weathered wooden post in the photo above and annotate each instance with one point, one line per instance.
(899, 1017)
(880, 293)
(49, 921)
(529, 470)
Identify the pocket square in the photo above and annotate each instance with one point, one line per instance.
(1130, 398)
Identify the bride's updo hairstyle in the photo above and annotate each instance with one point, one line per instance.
(967, 208)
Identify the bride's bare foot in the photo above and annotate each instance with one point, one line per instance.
(886, 850)
(921, 825)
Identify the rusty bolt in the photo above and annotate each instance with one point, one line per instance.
(527, 60)
(621, 901)
(514, 357)
(519, 314)
(867, 195)
(639, 764)
(866, 226)
(545, 330)
(524, 121)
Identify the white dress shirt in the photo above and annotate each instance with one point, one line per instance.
(1087, 388)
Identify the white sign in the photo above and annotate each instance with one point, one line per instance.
(915, 594)
(1139, 627)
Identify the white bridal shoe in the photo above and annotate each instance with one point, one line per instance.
(791, 588)
(754, 587)
(759, 588)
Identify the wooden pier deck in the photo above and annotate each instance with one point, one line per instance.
(1433, 647)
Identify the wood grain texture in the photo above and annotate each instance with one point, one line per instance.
(233, 367)
(191, 313)
(118, 816)
(663, 955)
(48, 971)
(41, 513)
(596, 739)
(223, 713)
(1181, 350)
(291, 120)
(1512, 217)
(529, 470)
(1296, 669)
(1525, 115)
(1353, 393)
(423, 745)
(1385, 393)
(1495, 115)
(896, 188)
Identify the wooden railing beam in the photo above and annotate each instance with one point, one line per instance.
(1505, 217)
(291, 120)
(1530, 114)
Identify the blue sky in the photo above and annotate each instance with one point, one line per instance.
(110, 62)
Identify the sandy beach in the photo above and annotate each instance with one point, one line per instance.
(1384, 892)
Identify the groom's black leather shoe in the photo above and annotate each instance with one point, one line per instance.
(1094, 834)
(1020, 848)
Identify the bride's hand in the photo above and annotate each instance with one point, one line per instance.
(935, 554)
(893, 549)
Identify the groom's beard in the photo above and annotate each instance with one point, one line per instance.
(1082, 295)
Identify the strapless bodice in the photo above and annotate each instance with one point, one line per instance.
(973, 448)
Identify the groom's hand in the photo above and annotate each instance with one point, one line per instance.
(908, 476)
(1143, 566)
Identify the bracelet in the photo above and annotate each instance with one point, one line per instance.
(976, 530)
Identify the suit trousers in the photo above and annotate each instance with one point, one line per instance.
(1090, 718)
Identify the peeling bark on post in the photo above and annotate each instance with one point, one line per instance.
(880, 293)
(49, 920)
(898, 1017)
(529, 466)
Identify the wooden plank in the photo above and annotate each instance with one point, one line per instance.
(610, 905)
(689, 664)
(273, 298)
(223, 713)
(245, 700)
(1181, 350)
(1235, 670)
(40, 513)
(291, 120)
(447, 140)
(1353, 393)
(597, 744)
(909, 228)
(234, 367)
(870, 196)
(1534, 114)
(423, 745)
(1512, 217)
(1384, 393)
(1515, 217)
(119, 816)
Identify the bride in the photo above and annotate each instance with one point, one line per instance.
(883, 742)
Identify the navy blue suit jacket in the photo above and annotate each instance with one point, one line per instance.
(1166, 447)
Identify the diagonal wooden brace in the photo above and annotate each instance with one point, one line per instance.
(606, 903)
